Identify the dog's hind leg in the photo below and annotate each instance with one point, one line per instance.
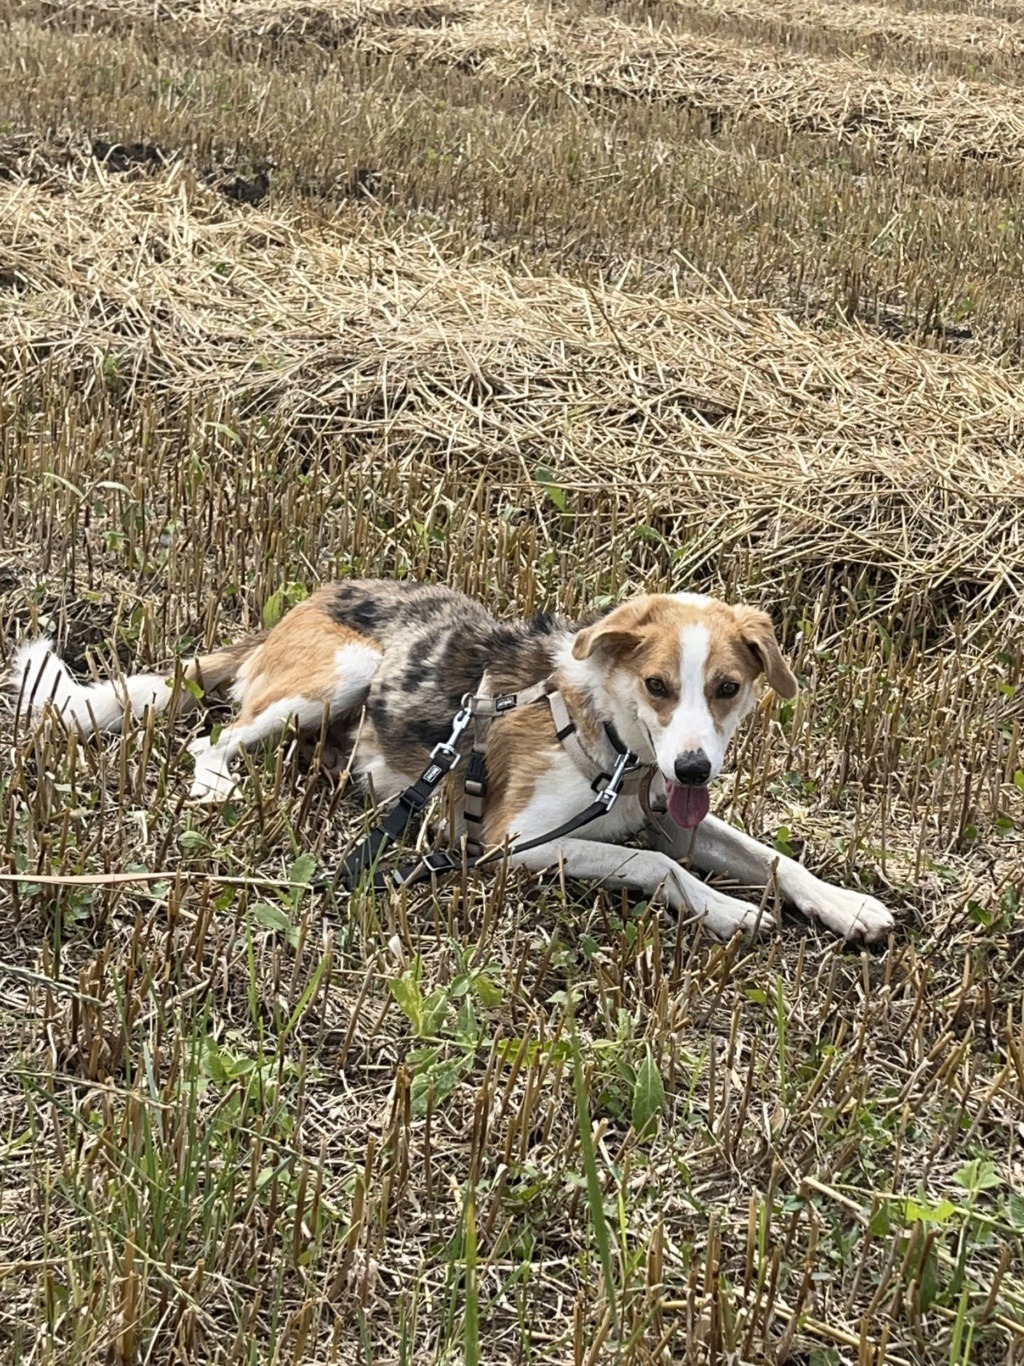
(299, 676)
(213, 781)
(716, 847)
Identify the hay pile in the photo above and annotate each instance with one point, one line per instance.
(809, 446)
(584, 53)
(835, 96)
(969, 33)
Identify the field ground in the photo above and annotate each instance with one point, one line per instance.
(551, 304)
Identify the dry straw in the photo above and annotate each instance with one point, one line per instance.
(585, 53)
(821, 443)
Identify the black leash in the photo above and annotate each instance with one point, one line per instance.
(410, 804)
(444, 757)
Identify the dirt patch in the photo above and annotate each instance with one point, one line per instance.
(121, 157)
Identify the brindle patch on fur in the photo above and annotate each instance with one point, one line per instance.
(437, 644)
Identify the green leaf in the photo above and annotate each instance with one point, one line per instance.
(466, 1026)
(302, 870)
(978, 1175)
(273, 609)
(648, 1095)
(435, 1008)
(1015, 1210)
(406, 991)
(929, 1280)
(589, 946)
(273, 918)
(781, 841)
(471, 1320)
(488, 993)
(441, 1078)
(595, 1195)
(213, 1064)
(880, 1225)
(977, 913)
(914, 1211)
(545, 477)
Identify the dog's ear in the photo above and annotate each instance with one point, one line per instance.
(759, 637)
(615, 634)
(614, 639)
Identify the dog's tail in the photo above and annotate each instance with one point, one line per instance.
(39, 678)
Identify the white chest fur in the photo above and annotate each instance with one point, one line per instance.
(562, 793)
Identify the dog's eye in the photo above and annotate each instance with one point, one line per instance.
(727, 689)
(657, 687)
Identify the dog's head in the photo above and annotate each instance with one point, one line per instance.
(677, 674)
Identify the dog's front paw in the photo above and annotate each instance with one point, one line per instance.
(724, 916)
(210, 786)
(854, 915)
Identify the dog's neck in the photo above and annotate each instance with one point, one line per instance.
(582, 683)
(589, 706)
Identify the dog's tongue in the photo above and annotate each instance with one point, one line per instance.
(687, 805)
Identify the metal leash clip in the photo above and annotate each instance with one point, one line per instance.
(447, 750)
(624, 764)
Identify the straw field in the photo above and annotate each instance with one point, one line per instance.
(553, 304)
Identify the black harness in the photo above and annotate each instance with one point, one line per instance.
(627, 775)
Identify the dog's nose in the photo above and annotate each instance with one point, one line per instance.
(693, 768)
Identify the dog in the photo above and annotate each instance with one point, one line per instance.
(666, 678)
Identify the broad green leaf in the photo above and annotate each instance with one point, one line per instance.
(271, 917)
(917, 1212)
(648, 1095)
(978, 1175)
(406, 991)
(435, 1008)
(273, 609)
(302, 870)
(488, 993)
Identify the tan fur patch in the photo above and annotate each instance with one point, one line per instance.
(298, 659)
(520, 750)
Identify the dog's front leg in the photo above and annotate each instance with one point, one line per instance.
(719, 848)
(649, 871)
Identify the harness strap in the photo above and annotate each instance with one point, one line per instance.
(568, 735)
(485, 708)
(627, 776)
(443, 861)
(410, 803)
